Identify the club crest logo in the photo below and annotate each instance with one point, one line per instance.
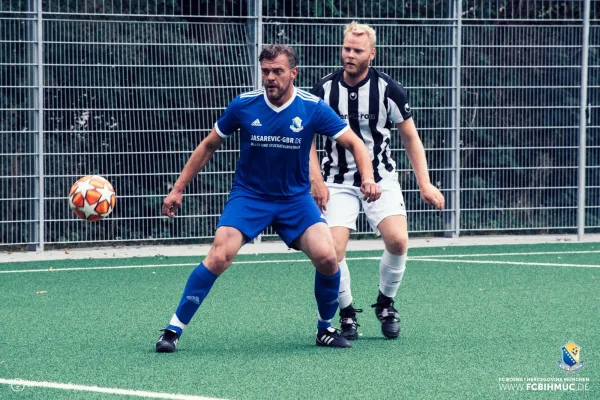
(296, 125)
(571, 358)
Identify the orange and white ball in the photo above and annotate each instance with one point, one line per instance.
(92, 198)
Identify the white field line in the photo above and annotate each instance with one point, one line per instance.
(543, 253)
(434, 258)
(533, 264)
(19, 385)
(52, 269)
(164, 265)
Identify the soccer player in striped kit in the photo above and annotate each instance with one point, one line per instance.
(372, 103)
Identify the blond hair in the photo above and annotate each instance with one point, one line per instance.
(361, 29)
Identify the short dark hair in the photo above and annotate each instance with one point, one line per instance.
(271, 51)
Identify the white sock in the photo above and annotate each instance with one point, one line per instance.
(391, 271)
(345, 294)
(176, 322)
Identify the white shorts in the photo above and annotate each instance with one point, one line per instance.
(345, 200)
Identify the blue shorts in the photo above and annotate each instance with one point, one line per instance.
(251, 214)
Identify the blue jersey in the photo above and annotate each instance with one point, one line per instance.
(275, 141)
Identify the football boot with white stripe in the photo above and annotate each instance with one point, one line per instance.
(388, 316)
(348, 323)
(167, 343)
(331, 338)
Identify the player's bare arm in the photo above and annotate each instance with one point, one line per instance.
(199, 158)
(354, 145)
(416, 155)
(319, 191)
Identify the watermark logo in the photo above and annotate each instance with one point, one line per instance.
(570, 363)
(16, 387)
(571, 358)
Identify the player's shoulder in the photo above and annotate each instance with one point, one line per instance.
(307, 96)
(248, 100)
(393, 89)
(335, 75)
(247, 97)
(386, 79)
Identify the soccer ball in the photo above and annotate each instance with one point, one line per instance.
(92, 198)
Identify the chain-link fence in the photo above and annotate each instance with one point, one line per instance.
(505, 95)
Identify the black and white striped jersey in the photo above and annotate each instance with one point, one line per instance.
(370, 107)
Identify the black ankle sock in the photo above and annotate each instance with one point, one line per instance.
(383, 299)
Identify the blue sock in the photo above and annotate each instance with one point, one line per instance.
(326, 293)
(196, 289)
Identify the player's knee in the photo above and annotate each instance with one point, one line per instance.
(398, 244)
(326, 262)
(218, 260)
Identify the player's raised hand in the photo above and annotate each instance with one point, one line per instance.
(171, 203)
(370, 190)
(432, 196)
(320, 192)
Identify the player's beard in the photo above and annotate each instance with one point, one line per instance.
(358, 70)
(281, 91)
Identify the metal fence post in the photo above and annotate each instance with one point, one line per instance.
(258, 47)
(40, 70)
(583, 121)
(453, 199)
(255, 26)
(259, 40)
(37, 124)
(256, 38)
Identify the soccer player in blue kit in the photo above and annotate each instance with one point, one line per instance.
(271, 187)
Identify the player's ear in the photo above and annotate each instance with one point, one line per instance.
(294, 72)
(372, 56)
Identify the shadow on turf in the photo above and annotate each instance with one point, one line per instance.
(258, 347)
(375, 339)
(214, 349)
